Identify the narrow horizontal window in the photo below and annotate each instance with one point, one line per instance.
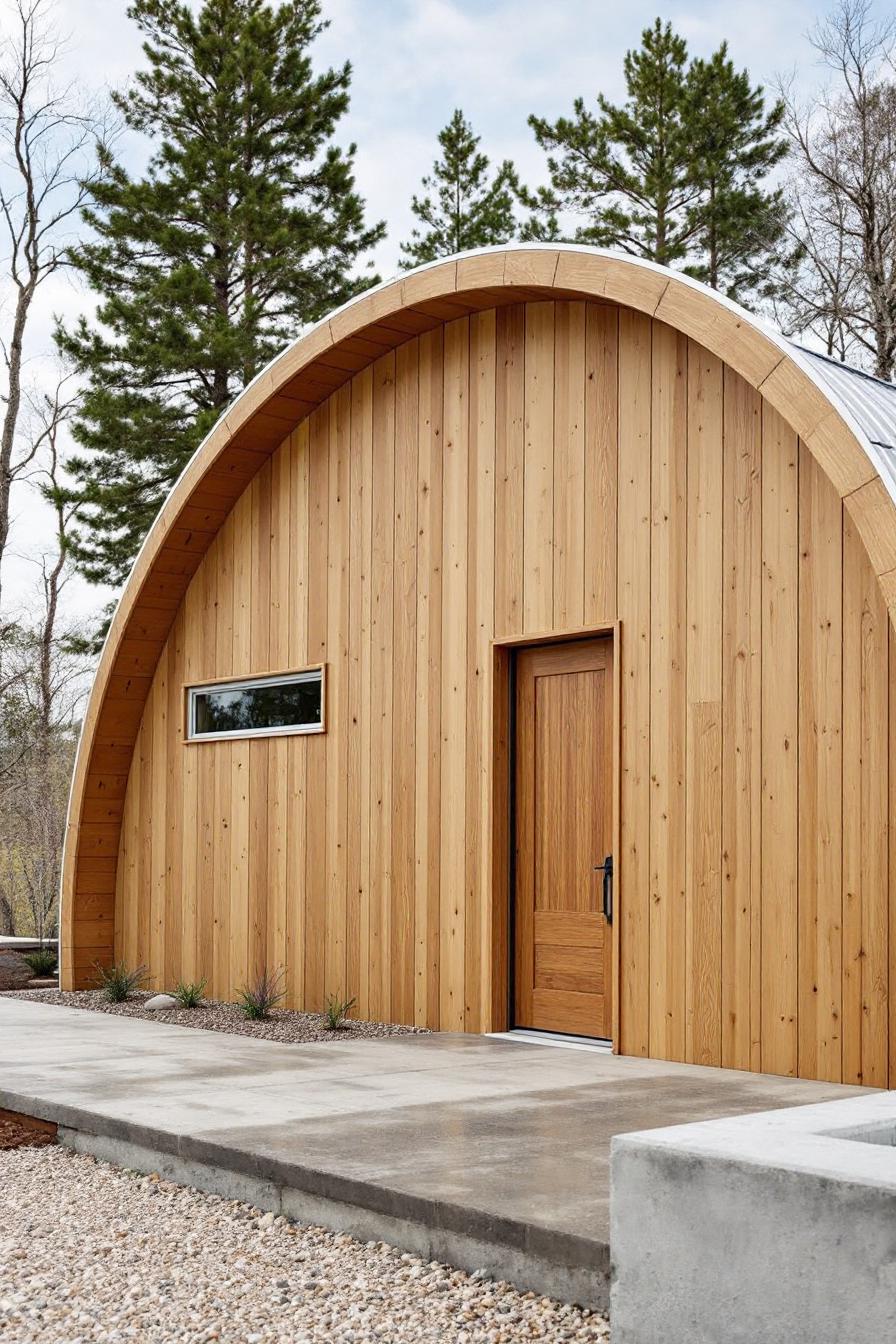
(261, 707)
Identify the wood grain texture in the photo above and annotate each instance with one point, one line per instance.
(428, 699)
(821, 782)
(866, 918)
(569, 489)
(510, 412)
(382, 686)
(633, 598)
(600, 467)
(780, 742)
(703, 678)
(741, 743)
(524, 471)
(538, 469)
(455, 635)
(668, 696)
(404, 668)
(478, 930)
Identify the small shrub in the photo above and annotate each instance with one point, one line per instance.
(338, 1011)
(43, 962)
(257, 999)
(118, 982)
(189, 992)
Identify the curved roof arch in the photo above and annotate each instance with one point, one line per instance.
(847, 421)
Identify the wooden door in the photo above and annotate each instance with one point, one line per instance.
(563, 829)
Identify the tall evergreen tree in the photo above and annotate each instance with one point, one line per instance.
(673, 175)
(465, 206)
(740, 227)
(245, 226)
(626, 170)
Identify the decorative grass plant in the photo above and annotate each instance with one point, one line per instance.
(118, 982)
(337, 1012)
(43, 962)
(265, 992)
(189, 993)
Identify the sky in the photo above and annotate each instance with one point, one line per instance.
(414, 62)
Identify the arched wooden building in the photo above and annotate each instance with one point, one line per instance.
(528, 558)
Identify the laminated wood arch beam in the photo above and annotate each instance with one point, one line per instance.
(301, 378)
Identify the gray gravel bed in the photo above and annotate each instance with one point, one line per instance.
(90, 1252)
(284, 1024)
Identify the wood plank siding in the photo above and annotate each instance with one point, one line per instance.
(537, 468)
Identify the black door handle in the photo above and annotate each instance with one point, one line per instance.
(607, 869)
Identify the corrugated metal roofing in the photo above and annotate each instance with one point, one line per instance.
(870, 401)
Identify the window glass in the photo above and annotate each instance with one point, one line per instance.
(270, 705)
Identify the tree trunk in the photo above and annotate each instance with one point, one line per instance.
(11, 415)
(713, 240)
(660, 244)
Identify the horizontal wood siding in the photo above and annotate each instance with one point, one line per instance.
(543, 467)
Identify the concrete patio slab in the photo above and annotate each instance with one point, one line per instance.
(481, 1152)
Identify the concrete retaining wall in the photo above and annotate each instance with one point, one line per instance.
(28, 944)
(778, 1227)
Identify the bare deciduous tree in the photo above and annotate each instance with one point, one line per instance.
(47, 136)
(43, 685)
(52, 411)
(844, 191)
(816, 294)
(37, 760)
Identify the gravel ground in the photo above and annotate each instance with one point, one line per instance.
(90, 1252)
(284, 1024)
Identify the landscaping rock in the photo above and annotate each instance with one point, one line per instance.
(14, 970)
(161, 1003)
(287, 1025)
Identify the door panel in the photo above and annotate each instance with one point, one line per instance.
(563, 967)
(563, 826)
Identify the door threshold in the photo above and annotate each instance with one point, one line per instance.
(528, 1036)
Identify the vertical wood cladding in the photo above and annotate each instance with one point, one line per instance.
(542, 467)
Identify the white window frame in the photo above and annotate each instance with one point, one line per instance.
(317, 674)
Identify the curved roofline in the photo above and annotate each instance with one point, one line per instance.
(788, 348)
(333, 349)
(798, 353)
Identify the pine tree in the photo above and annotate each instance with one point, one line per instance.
(675, 174)
(245, 226)
(740, 228)
(464, 206)
(627, 170)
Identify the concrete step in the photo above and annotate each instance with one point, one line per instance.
(562, 1265)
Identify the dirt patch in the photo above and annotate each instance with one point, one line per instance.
(285, 1024)
(18, 1131)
